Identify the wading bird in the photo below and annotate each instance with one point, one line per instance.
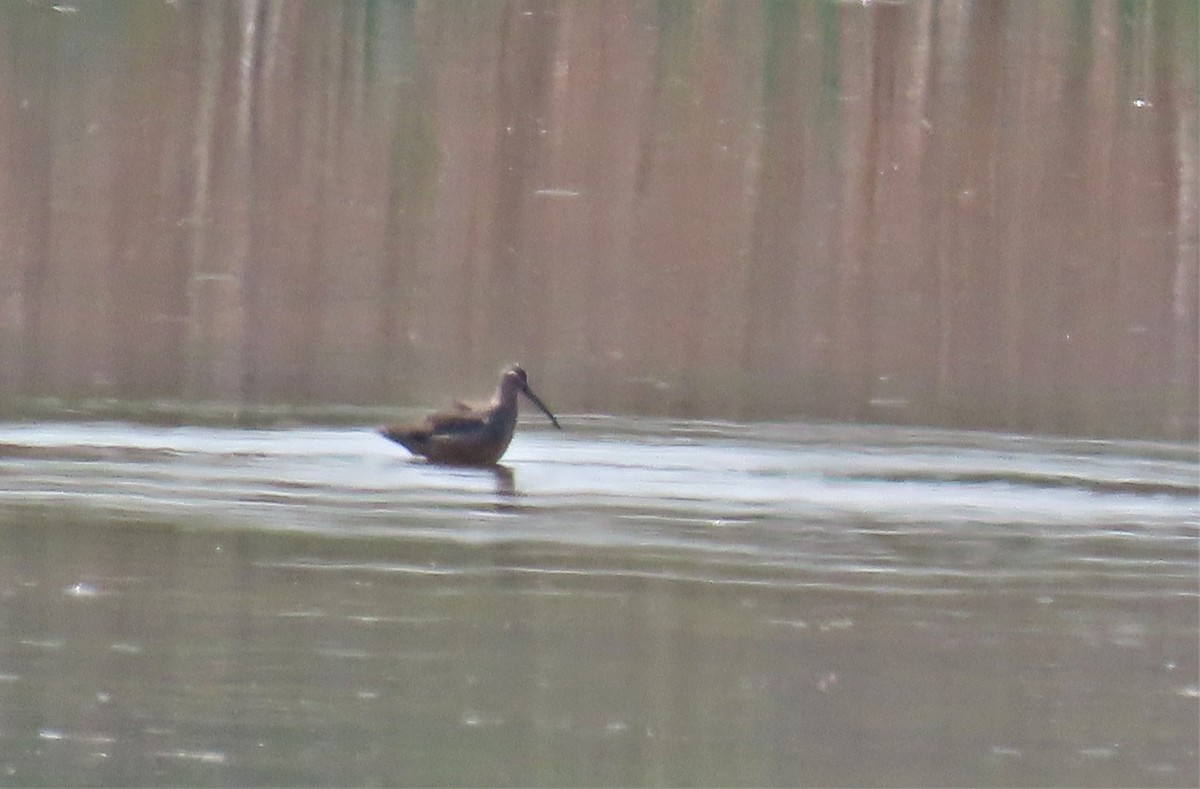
(470, 435)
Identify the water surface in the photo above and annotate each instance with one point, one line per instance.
(624, 602)
(965, 214)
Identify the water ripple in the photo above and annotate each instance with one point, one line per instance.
(888, 510)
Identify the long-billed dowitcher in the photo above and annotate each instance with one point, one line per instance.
(470, 435)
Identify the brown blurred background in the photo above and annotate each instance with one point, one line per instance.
(969, 213)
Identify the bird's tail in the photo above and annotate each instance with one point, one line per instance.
(408, 437)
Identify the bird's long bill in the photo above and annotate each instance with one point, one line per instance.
(536, 401)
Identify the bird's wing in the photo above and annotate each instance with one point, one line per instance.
(462, 421)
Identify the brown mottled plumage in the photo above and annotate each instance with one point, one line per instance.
(470, 435)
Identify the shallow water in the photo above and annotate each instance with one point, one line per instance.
(626, 602)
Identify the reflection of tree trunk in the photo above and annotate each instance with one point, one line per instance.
(867, 72)
(412, 174)
(1023, 147)
(612, 166)
(220, 294)
(141, 327)
(1097, 124)
(770, 304)
(27, 209)
(1087, 273)
(200, 281)
(909, 352)
(969, 369)
(324, 137)
(1181, 417)
(949, 127)
(34, 345)
(242, 260)
(260, 86)
(526, 57)
(1019, 184)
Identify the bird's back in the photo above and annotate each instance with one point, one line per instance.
(467, 437)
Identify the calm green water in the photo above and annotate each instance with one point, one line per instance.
(632, 602)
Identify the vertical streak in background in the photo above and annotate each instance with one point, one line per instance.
(31, 86)
(863, 93)
(201, 280)
(1185, 321)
